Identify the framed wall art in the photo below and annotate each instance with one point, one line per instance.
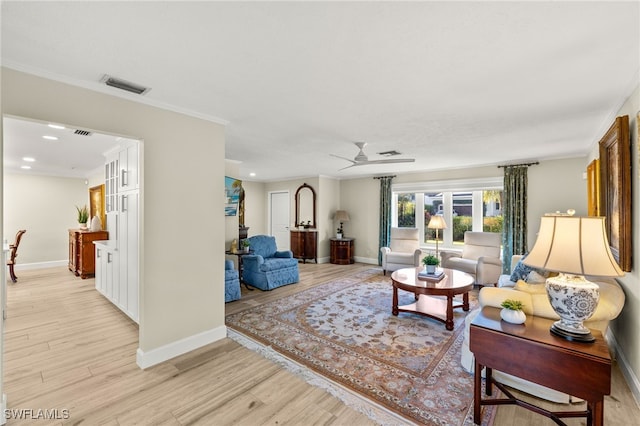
(615, 189)
(232, 188)
(97, 205)
(593, 188)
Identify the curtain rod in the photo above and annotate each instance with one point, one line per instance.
(521, 164)
(383, 177)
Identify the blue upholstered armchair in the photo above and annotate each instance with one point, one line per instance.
(231, 282)
(268, 268)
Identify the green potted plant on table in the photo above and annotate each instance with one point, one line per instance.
(245, 245)
(512, 311)
(83, 216)
(430, 262)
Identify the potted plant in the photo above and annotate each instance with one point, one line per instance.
(430, 262)
(339, 233)
(512, 311)
(245, 245)
(83, 216)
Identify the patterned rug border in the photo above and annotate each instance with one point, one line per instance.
(351, 397)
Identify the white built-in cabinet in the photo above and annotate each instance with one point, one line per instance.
(117, 259)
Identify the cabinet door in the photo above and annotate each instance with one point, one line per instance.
(297, 243)
(310, 245)
(100, 269)
(128, 252)
(108, 274)
(111, 183)
(128, 171)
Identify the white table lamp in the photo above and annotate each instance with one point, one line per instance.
(574, 247)
(437, 222)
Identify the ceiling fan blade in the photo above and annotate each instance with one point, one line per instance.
(343, 158)
(348, 167)
(390, 161)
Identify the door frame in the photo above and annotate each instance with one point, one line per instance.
(270, 213)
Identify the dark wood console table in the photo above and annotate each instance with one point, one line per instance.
(304, 244)
(531, 352)
(342, 251)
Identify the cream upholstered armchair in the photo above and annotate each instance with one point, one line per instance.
(403, 251)
(480, 257)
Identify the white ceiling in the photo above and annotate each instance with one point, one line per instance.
(451, 84)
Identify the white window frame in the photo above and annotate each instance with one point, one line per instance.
(447, 187)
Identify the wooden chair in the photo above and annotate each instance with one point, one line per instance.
(14, 253)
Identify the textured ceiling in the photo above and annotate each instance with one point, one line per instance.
(451, 84)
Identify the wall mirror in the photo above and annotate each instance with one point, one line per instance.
(306, 206)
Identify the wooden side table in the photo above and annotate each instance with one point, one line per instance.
(531, 352)
(342, 251)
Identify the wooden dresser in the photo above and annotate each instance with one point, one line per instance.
(82, 251)
(342, 251)
(304, 244)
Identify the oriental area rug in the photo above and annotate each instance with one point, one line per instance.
(343, 331)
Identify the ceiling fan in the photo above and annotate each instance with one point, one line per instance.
(362, 160)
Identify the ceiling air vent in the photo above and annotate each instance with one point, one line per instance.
(82, 132)
(124, 85)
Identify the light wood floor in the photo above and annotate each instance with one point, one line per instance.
(68, 348)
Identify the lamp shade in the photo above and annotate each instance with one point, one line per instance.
(341, 216)
(437, 222)
(573, 245)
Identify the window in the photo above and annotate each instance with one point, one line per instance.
(406, 213)
(473, 205)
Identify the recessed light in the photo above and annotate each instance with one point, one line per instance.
(50, 138)
(28, 159)
(252, 174)
(56, 126)
(25, 167)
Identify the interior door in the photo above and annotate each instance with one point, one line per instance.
(279, 207)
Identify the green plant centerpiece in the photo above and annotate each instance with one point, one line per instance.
(246, 244)
(512, 311)
(83, 215)
(430, 262)
(514, 305)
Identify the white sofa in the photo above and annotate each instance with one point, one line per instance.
(534, 298)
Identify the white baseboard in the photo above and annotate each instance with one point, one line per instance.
(625, 368)
(366, 260)
(40, 265)
(156, 356)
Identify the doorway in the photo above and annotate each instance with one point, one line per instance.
(279, 213)
(45, 179)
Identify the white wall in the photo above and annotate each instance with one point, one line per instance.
(255, 207)
(46, 207)
(555, 186)
(182, 171)
(328, 201)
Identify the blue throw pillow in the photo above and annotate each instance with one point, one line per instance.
(521, 271)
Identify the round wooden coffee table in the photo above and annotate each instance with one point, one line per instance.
(453, 283)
